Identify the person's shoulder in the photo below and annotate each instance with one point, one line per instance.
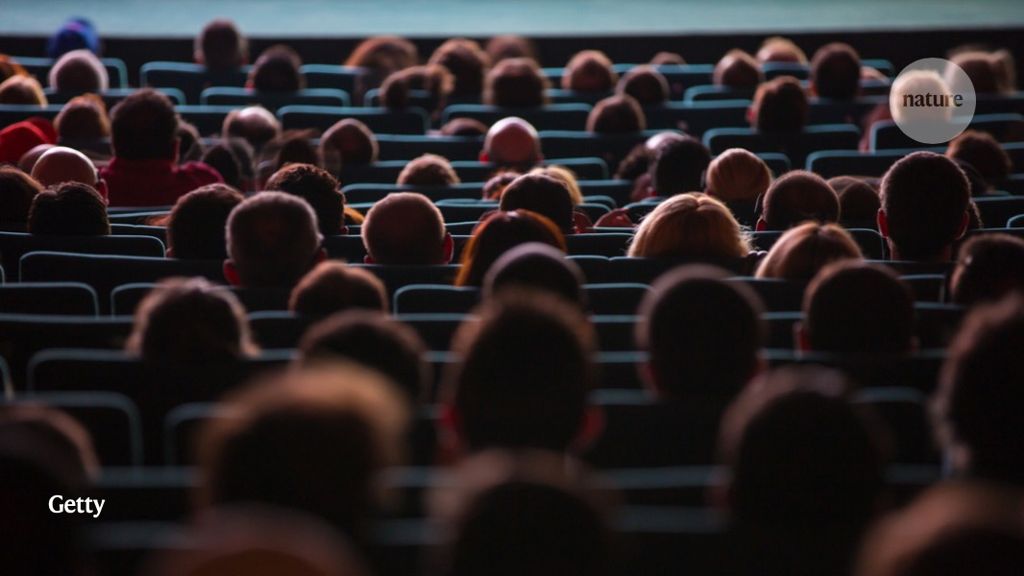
(199, 171)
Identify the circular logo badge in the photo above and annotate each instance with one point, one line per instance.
(932, 100)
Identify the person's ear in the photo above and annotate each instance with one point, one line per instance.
(449, 433)
(320, 256)
(803, 340)
(751, 115)
(761, 225)
(484, 157)
(101, 187)
(368, 259)
(231, 273)
(198, 57)
(448, 249)
(649, 378)
(590, 428)
(883, 223)
(170, 254)
(964, 223)
(720, 496)
(812, 90)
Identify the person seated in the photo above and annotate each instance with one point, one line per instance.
(564, 175)
(664, 58)
(318, 188)
(254, 124)
(381, 56)
(311, 439)
(23, 90)
(985, 154)
(376, 341)
(858, 200)
(805, 474)
(804, 250)
(516, 83)
(428, 170)
(512, 143)
(779, 107)
(986, 71)
(858, 310)
(61, 164)
(68, 209)
(505, 46)
(144, 170)
(737, 70)
(780, 49)
(495, 185)
(190, 142)
(272, 241)
(988, 267)
(17, 190)
(737, 175)
(196, 224)
(190, 321)
(467, 62)
(463, 127)
(691, 226)
(78, 72)
(277, 71)
(223, 159)
(348, 143)
(925, 204)
(221, 47)
(544, 195)
(522, 377)
(835, 72)
(82, 120)
(620, 114)
(497, 233)
(678, 166)
(406, 229)
(645, 84)
(798, 196)
(589, 71)
(536, 266)
(433, 79)
(334, 286)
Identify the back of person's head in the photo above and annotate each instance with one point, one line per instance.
(982, 151)
(619, 114)
(433, 79)
(52, 438)
(68, 209)
(498, 233)
(144, 126)
(737, 70)
(406, 229)
(62, 164)
(348, 142)
(914, 82)
(83, 119)
(858, 198)
(277, 70)
(222, 158)
(978, 403)
(17, 190)
(376, 341)
(78, 72)
(678, 166)
(566, 176)
(796, 197)
(24, 90)
(505, 46)
(515, 83)
(495, 185)
(190, 320)
(190, 142)
(737, 175)
(703, 334)
(428, 170)
(835, 72)
(221, 46)
(925, 198)
(466, 61)
(589, 71)
(987, 268)
(75, 33)
(512, 141)
(691, 227)
(272, 240)
(317, 187)
(779, 49)
(780, 106)
(543, 195)
(197, 223)
(802, 251)
(524, 373)
(982, 69)
(254, 124)
(334, 286)
(644, 83)
(384, 55)
(311, 440)
(291, 147)
(806, 472)
(858, 309)
(535, 266)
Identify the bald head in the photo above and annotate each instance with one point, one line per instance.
(77, 72)
(512, 141)
(28, 159)
(62, 164)
(255, 124)
(405, 228)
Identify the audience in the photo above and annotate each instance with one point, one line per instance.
(467, 62)
(987, 268)
(381, 56)
(506, 46)
(802, 251)
(428, 170)
(463, 127)
(335, 287)
(619, 114)
(645, 84)
(254, 124)
(779, 49)
(68, 209)
(512, 143)
(499, 232)
(858, 200)
(737, 175)
(196, 224)
(535, 266)
(277, 70)
(515, 83)
(348, 143)
(406, 229)
(83, 119)
(796, 197)
(780, 107)
(691, 226)
(542, 194)
(589, 71)
(495, 185)
(24, 90)
(319, 189)
(78, 72)
(221, 46)
(434, 79)
(737, 70)
(223, 159)
(985, 154)
(678, 166)
(565, 176)
(835, 72)
(17, 190)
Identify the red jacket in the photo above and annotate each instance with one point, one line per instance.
(153, 182)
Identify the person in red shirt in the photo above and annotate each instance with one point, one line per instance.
(145, 170)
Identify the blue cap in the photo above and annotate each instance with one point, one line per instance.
(74, 34)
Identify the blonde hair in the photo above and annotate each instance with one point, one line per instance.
(737, 174)
(566, 176)
(22, 90)
(805, 249)
(691, 225)
(919, 82)
(780, 49)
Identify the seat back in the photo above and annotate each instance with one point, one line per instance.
(550, 117)
(67, 298)
(14, 245)
(378, 120)
(236, 96)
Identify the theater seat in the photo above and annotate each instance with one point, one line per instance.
(996, 211)
(585, 168)
(236, 96)
(409, 146)
(550, 117)
(111, 97)
(188, 77)
(796, 146)
(69, 298)
(181, 428)
(332, 76)
(408, 121)
(830, 163)
(696, 118)
(11, 113)
(14, 245)
(870, 241)
(1004, 127)
(117, 72)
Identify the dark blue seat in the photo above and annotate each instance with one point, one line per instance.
(70, 298)
(11, 113)
(870, 241)
(408, 121)
(647, 270)
(559, 96)
(1004, 127)
(796, 146)
(598, 244)
(238, 96)
(394, 277)
(585, 168)
(407, 147)
(117, 72)
(996, 211)
(209, 120)
(696, 118)
(435, 299)
(550, 117)
(13, 245)
(611, 148)
(112, 96)
(332, 76)
(188, 77)
(715, 92)
(825, 111)
(829, 163)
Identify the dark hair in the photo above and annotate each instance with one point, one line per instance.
(619, 114)
(835, 72)
(466, 61)
(292, 147)
(644, 83)
(505, 46)
(197, 224)
(780, 106)
(272, 239)
(348, 142)
(589, 71)
(858, 199)
(988, 266)
(499, 232)
(515, 83)
(222, 158)
(796, 197)
(83, 118)
(542, 194)
(144, 126)
(428, 170)
(524, 373)
(318, 188)
(434, 79)
(334, 286)
(536, 266)
(737, 70)
(277, 70)
(924, 197)
(221, 46)
(17, 190)
(464, 127)
(404, 229)
(382, 55)
(703, 333)
(982, 151)
(859, 309)
(69, 209)
(495, 185)
(679, 166)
